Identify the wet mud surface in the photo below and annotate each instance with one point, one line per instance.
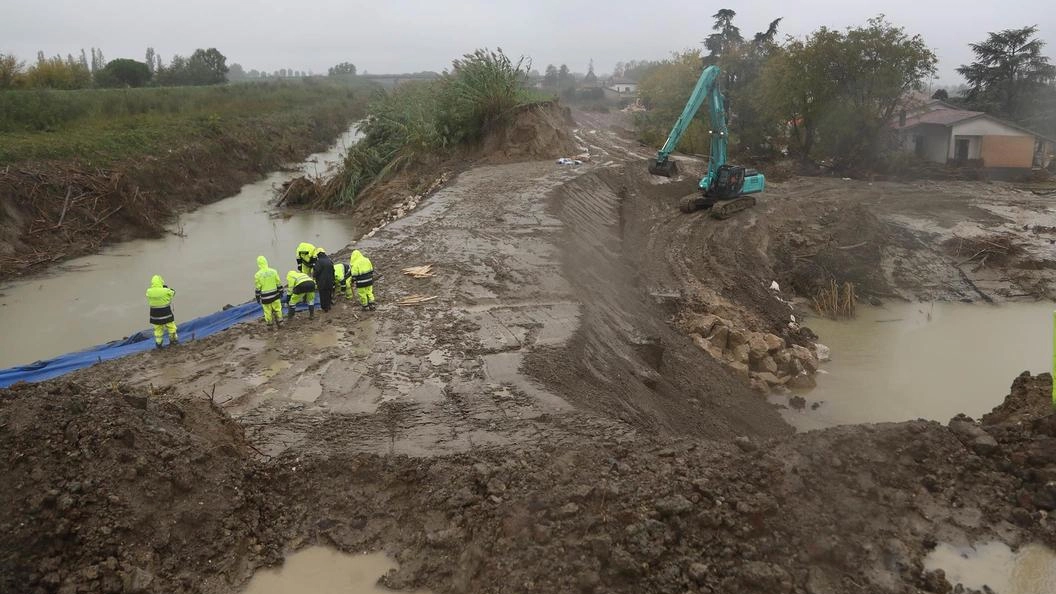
(545, 424)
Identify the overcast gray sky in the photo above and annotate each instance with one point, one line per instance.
(402, 35)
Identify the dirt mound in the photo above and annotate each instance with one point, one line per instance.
(841, 245)
(531, 132)
(117, 490)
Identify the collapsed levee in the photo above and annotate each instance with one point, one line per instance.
(625, 359)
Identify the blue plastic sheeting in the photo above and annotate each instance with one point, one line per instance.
(137, 343)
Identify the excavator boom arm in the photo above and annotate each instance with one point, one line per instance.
(706, 89)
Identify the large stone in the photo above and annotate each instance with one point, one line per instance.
(736, 338)
(984, 445)
(774, 342)
(738, 354)
(700, 341)
(757, 347)
(703, 324)
(822, 352)
(805, 357)
(766, 364)
(770, 378)
(803, 381)
(738, 368)
(719, 337)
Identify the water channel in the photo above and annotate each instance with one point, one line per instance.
(97, 298)
(924, 360)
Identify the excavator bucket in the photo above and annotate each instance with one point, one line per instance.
(667, 168)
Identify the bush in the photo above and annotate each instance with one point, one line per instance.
(417, 119)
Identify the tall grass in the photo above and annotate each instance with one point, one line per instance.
(52, 110)
(419, 119)
(107, 125)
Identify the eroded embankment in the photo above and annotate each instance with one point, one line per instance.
(626, 360)
(53, 211)
(113, 489)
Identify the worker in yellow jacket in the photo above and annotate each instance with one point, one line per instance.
(302, 289)
(305, 258)
(343, 279)
(362, 272)
(159, 298)
(268, 292)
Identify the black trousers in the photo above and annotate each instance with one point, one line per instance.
(325, 281)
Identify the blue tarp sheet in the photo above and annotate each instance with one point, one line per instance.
(137, 343)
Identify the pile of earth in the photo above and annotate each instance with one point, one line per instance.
(113, 490)
(535, 131)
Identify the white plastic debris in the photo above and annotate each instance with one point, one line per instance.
(774, 286)
(823, 352)
(792, 318)
(568, 161)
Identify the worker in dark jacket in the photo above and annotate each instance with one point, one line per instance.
(159, 298)
(323, 273)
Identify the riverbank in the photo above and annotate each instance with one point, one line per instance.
(141, 171)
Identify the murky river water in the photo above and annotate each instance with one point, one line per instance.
(319, 570)
(98, 298)
(1029, 570)
(921, 360)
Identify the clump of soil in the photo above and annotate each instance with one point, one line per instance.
(843, 245)
(531, 132)
(113, 489)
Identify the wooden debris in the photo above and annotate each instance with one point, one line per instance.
(419, 271)
(415, 299)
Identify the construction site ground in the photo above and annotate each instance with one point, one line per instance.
(547, 423)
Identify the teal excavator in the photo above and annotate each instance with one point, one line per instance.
(726, 188)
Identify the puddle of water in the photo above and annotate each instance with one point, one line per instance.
(921, 360)
(326, 338)
(98, 298)
(1030, 570)
(320, 570)
(308, 389)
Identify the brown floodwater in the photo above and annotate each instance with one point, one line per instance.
(320, 570)
(1029, 570)
(98, 298)
(923, 360)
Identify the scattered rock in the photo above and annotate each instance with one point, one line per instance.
(673, 506)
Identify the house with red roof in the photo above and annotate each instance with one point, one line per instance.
(943, 133)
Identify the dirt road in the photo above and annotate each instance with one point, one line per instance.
(546, 423)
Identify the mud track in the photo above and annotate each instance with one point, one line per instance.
(543, 425)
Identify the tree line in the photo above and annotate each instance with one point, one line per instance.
(832, 95)
(202, 67)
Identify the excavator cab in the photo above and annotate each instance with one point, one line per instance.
(729, 180)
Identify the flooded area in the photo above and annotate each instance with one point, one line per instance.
(97, 298)
(320, 570)
(924, 360)
(1029, 570)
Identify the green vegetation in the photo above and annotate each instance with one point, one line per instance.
(106, 125)
(420, 119)
(1011, 78)
(830, 96)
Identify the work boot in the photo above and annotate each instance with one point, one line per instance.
(157, 345)
(289, 316)
(174, 341)
(372, 306)
(365, 307)
(311, 312)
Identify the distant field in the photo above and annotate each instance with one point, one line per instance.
(102, 126)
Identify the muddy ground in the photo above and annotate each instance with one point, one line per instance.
(547, 423)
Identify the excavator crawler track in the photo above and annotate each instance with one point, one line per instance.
(727, 208)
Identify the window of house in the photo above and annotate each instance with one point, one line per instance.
(919, 148)
(960, 149)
